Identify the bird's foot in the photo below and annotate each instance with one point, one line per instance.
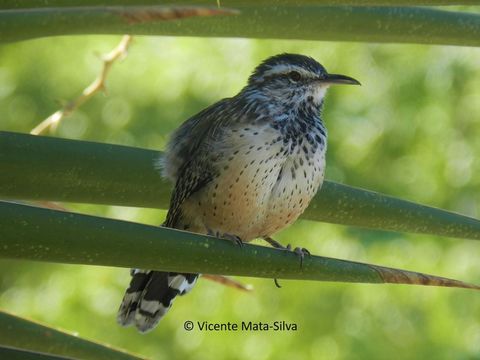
(299, 251)
(233, 238)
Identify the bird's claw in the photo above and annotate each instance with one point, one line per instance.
(301, 252)
(234, 238)
(275, 280)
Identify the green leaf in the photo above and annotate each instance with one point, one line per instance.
(44, 168)
(18, 354)
(22, 4)
(17, 332)
(309, 22)
(40, 22)
(32, 233)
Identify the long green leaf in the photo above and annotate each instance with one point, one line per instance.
(19, 354)
(31, 233)
(25, 334)
(40, 22)
(23, 4)
(339, 23)
(44, 168)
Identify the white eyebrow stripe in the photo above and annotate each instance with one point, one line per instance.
(285, 68)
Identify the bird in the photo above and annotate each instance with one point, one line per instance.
(244, 168)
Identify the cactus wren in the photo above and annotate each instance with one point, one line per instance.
(243, 168)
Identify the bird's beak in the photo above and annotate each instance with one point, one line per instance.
(339, 79)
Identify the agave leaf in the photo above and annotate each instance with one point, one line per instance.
(31, 168)
(33, 233)
(40, 22)
(23, 4)
(308, 22)
(19, 354)
(21, 338)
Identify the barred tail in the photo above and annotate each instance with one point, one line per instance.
(150, 296)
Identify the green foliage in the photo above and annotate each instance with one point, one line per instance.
(33, 233)
(17, 354)
(117, 175)
(22, 4)
(18, 333)
(340, 23)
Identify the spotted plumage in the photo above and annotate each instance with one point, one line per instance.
(244, 168)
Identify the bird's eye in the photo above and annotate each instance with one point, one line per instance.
(294, 76)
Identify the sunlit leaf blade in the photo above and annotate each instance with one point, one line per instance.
(22, 4)
(44, 168)
(33, 233)
(309, 22)
(341, 204)
(29, 335)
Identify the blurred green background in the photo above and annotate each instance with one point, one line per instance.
(412, 130)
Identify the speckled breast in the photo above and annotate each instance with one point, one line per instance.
(302, 175)
(263, 184)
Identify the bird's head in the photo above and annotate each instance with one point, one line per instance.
(294, 79)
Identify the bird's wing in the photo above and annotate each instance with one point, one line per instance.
(189, 160)
(191, 136)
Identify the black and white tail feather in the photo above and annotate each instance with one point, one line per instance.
(150, 296)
